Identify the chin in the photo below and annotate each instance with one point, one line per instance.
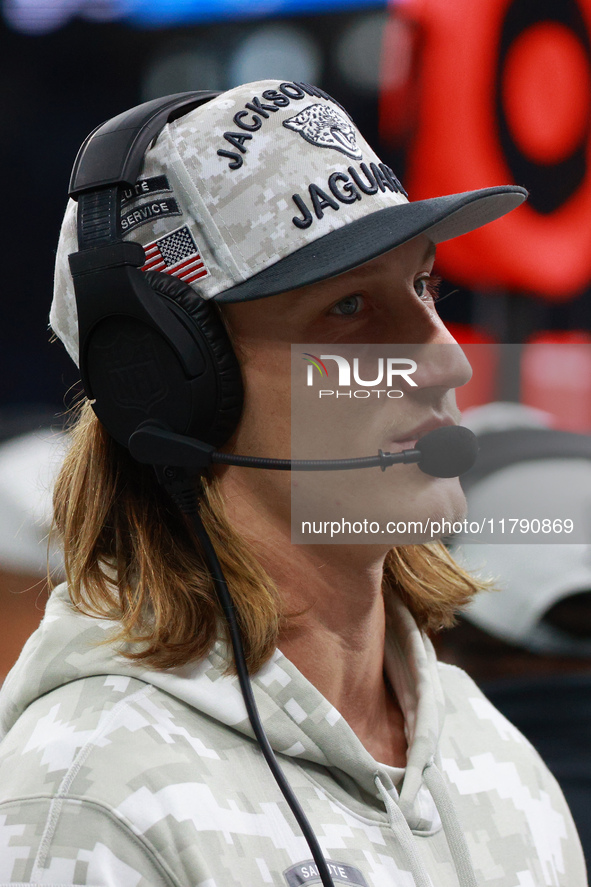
(429, 511)
(403, 507)
(444, 499)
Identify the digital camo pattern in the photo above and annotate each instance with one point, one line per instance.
(238, 204)
(113, 776)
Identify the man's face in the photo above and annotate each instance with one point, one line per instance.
(385, 301)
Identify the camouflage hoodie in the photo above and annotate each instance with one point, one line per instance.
(115, 776)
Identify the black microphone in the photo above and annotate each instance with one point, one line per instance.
(448, 451)
(445, 452)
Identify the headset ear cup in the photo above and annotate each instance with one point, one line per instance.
(207, 326)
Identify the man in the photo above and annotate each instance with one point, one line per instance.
(128, 756)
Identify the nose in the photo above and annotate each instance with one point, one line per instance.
(441, 362)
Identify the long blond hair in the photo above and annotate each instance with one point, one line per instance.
(130, 556)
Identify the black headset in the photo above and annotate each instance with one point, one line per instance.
(152, 351)
(155, 359)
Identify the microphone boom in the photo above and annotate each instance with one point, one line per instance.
(444, 452)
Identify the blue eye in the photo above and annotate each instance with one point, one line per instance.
(427, 287)
(347, 307)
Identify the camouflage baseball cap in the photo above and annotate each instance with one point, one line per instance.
(266, 188)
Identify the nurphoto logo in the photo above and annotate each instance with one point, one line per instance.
(388, 371)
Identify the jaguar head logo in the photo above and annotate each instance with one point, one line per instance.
(326, 127)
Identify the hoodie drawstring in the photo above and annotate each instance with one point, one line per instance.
(451, 828)
(404, 835)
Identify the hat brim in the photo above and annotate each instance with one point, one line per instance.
(442, 218)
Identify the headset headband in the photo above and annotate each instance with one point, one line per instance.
(112, 155)
(113, 152)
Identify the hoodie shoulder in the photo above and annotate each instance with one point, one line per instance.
(73, 740)
(465, 701)
(90, 775)
(490, 766)
(59, 731)
(473, 726)
(62, 794)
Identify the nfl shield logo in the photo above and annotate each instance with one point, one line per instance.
(135, 375)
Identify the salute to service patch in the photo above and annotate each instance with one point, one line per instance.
(149, 212)
(307, 873)
(134, 214)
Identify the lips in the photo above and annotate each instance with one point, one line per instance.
(407, 439)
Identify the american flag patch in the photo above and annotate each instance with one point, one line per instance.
(177, 254)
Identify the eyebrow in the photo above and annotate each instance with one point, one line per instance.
(360, 272)
(430, 251)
